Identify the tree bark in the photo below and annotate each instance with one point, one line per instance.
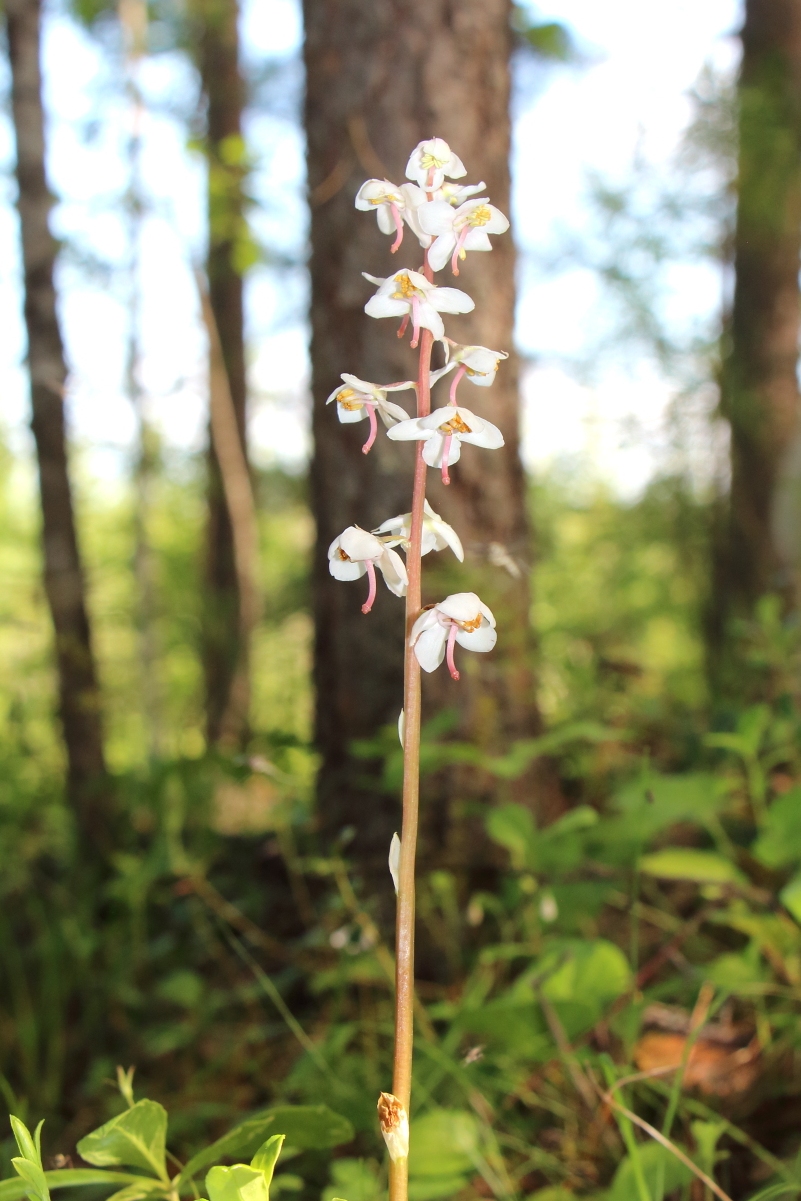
(225, 655)
(760, 550)
(381, 76)
(79, 698)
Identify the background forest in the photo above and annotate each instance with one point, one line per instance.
(200, 761)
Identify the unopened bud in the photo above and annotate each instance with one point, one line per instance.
(394, 1126)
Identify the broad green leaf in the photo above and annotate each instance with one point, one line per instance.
(685, 863)
(654, 1159)
(135, 1138)
(779, 843)
(357, 1179)
(790, 897)
(12, 1190)
(512, 826)
(266, 1157)
(443, 1142)
(305, 1127)
(593, 972)
(237, 1183)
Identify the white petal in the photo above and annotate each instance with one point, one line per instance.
(394, 858)
(360, 544)
(391, 525)
(451, 300)
(341, 570)
(438, 374)
(408, 431)
(403, 386)
(426, 621)
(455, 168)
(392, 413)
(383, 306)
(432, 451)
(482, 639)
(417, 280)
(461, 606)
(347, 416)
(374, 279)
(430, 647)
(449, 535)
(489, 436)
(436, 217)
(481, 358)
(401, 726)
(385, 221)
(498, 222)
(477, 240)
(393, 570)
(429, 318)
(441, 250)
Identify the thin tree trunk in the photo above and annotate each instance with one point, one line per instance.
(79, 698)
(225, 656)
(381, 76)
(761, 543)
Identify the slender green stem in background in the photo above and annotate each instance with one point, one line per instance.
(404, 928)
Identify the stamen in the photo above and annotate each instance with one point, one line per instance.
(455, 384)
(368, 604)
(449, 655)
(415, 322)
(446, 449)
(373, 429)
(403, 326)
(396, 217)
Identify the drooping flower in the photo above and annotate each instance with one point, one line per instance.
(429, 163)
(388, 202)
(461, 618)
(437, 534)
(356, 552)
(478, 363)
(457, 230)
(408, 294)
(443, 432)
(358, 398)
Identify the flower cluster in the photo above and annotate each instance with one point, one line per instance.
(448, 220)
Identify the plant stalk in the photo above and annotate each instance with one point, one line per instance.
(404, 928)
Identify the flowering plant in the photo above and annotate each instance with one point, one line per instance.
(448, 220)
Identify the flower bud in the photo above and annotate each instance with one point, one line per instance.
(394, 1126)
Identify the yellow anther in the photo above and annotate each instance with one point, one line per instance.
(480, 216)
(470, 627)
(406, 289)
(455, 426)
(428, 161)
(345, 558)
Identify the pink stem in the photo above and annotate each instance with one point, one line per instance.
(455, 384)
(403, 326)
(457, 249)
(449, 656)
(368, 604)
(373, 428)
(415, 322)
(446, 449)
(396, 217)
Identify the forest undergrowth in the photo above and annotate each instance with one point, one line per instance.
(614, 1013)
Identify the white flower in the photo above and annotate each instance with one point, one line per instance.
(389, 204)
(409, 294)
(443, 431)
(437, 534)
(394, 861)
(455, 231)
(356, 552)
(359, 399)
(456, 193)
(394, 1122)
(431, 161)
(478, 363)
(461, 618)
(414, 198)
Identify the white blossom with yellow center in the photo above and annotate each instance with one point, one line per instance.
(478, 363)
(358, 399)
(437, 534)
(356, 552)
(431, 161)
(461, 618)
(443, 432)
(457, 230)
(409, 295)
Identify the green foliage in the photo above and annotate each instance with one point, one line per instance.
(136, 1138)
(28, 1165)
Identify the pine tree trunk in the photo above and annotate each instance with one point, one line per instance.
(224, 653)
(79, 698)
(761, 545)
(381, 76)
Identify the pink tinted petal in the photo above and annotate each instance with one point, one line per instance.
(455, 384)
(449, 653)
(368, 604)
(396, 217)
(446, 447)
(373, 429)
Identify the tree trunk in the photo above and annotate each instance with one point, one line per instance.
(79, 697)
(225, 656)
(760, 551)
(381, 76)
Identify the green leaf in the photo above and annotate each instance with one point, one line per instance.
(512, 826)
(28, 1148)
(266, 1157)
(655, 1160)
(305, 1127)
(358, 1179)
(443, 1142)
(779, 843)
(594, 972)
(12, 1190)
(238, 1183)
(28, 1165)
(136, 1138)
(684, 863)
(790, 897)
